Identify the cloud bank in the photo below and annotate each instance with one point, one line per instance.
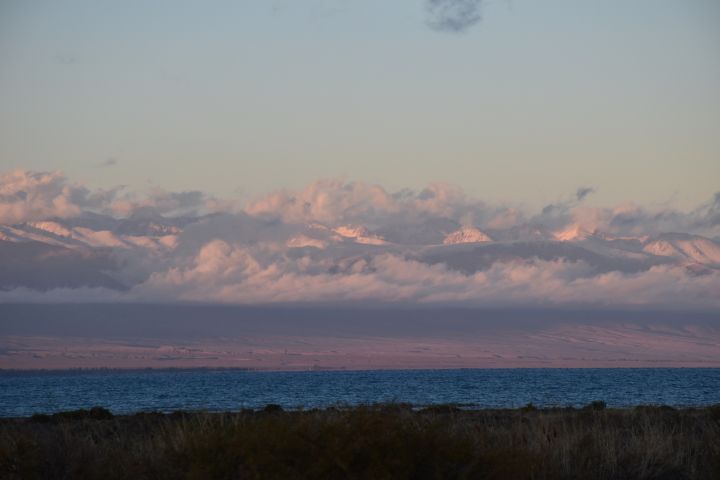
(336, 241)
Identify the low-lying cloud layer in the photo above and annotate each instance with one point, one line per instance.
(345, 242)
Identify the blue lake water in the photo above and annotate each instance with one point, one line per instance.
(25, 393)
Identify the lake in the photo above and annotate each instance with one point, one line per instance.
(25, 393)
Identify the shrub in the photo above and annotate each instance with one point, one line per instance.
(272, 408)
(596, 405)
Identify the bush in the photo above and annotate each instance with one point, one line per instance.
(597, 405)
(95, 413)
(272, 408)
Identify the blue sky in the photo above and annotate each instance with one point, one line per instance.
(236, 98)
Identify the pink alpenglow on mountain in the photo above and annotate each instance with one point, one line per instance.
(466, 235)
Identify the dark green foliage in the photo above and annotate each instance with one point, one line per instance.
(391, 441)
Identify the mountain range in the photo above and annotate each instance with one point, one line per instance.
(93, 250)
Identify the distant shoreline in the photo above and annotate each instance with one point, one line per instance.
(329, 369)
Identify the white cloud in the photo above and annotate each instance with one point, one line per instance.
(337, 241)
(27, 196)
(335, 201)
(222, 272)
(34, 196)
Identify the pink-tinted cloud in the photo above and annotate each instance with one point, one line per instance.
(27, 196)
(221, 272)
(337, 241)
(336, 201)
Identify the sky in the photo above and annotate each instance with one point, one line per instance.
(517, 102)
(363, 183)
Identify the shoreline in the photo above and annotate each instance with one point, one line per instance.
(329, 369)
(99, 412)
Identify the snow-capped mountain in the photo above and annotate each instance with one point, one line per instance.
(304, 241)
(99, 250)
(359, 234)
(466, 235)
(685, 248)
(573, 233)
(97, 231)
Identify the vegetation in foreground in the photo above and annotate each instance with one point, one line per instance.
(374, 442)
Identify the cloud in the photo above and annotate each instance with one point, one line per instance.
(161, 202)
(227, 273)
(335, 201)
(27, 196)
(402, 216)
(337, 241)
(583, 192)
(455, 16)
(708, 216)
(221, 272)
(108, 162)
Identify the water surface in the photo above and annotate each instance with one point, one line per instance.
(25, 393)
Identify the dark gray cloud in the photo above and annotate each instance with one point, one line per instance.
(709, 213)
(453, 16)
(583, 192)
(556, 214)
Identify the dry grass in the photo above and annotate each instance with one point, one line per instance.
(374, 442)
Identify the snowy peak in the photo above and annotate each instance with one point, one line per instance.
(690, 248)
(51, 227)
(573, 233)
(466, 235)
(303, 241)
(55, 233)
(359, 234)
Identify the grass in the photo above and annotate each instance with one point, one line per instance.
(391, 441)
